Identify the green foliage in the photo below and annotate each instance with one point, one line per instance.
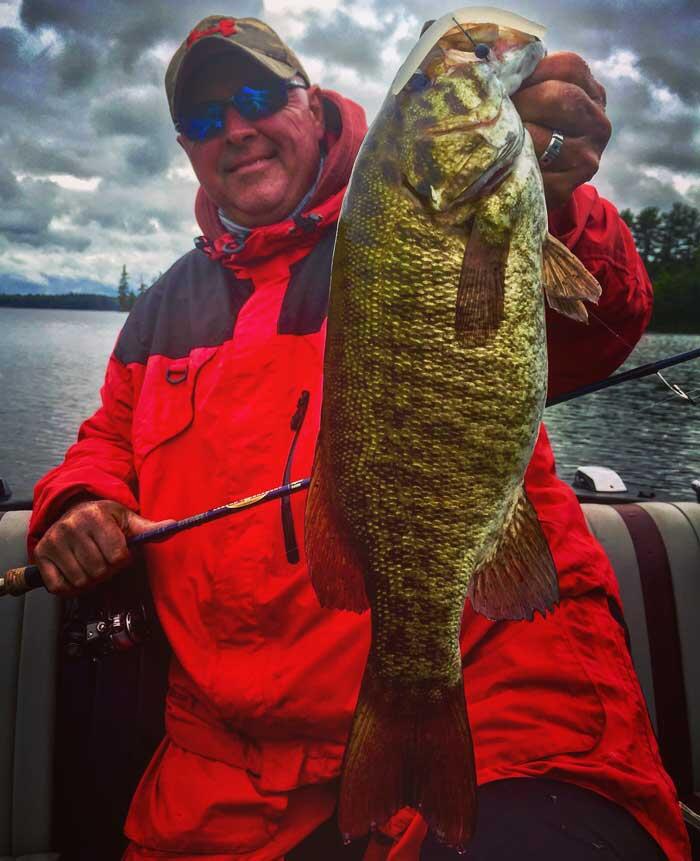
(669, 244)
(124, 292)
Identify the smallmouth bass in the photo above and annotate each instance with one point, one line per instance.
(435, 382)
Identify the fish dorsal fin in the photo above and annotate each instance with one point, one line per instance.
(566, 281)
(479, 310)
(518, 577)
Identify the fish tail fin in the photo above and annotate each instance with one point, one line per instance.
(409, 749)
(520, 577)
(333, 560)
(566, 281)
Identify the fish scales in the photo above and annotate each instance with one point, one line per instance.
(426, 428)
(385, 480)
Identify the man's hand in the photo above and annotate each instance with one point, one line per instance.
(562, 95)
(87, 545)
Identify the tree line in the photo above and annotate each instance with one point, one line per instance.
(66, 301)
(669, 243)
(126, 296)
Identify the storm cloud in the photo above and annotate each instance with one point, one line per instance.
(92, 176)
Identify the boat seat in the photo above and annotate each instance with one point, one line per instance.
(654, 548)
(28, 652)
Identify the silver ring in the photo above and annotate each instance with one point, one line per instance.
(553, 148)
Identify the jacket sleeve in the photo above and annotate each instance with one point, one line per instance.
(581, 353)
(99, 465)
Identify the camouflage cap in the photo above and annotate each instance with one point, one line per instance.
(249, 38)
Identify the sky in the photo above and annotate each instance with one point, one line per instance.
(91, 176)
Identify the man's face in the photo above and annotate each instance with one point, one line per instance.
(256, 171)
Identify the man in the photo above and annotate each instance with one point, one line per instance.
(213, 393)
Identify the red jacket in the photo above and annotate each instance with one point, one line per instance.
(206, 377)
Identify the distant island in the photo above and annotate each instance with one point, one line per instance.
(66, 301)
(77, 301)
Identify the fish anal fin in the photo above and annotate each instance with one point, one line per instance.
(479, 309)
(409, 748)
(335, 565)
(519, 578)
(566, 281)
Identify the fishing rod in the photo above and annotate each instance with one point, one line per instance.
(632, 374)
(18, 581)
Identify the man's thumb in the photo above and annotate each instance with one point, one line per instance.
(137, 525)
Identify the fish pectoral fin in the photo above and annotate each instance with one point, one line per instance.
(519, 577)
(479, 308)
(334, 563)
(409, 747)
(566, 281)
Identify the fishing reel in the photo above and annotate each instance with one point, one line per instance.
(106, 633)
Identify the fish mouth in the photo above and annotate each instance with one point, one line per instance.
(499, 170)
(485, 183)
(459, 125)
(501, 165)
(411, 192)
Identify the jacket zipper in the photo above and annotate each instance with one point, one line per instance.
(290, 539)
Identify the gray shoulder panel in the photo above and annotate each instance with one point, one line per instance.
(194, 304)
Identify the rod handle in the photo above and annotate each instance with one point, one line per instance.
(19, 581)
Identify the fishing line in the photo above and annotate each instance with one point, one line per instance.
(674, 387)
(480, 50)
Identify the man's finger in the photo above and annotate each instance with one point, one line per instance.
(541, 138)
(137, 525)
(574, 153)
(563, 106)
(570, 68)
(90, 558)
(111, 541)
(69, 567)
(558, 187)
(577, 154)
(54, 581)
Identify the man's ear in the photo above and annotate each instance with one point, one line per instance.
(187, 145)
(316, 108)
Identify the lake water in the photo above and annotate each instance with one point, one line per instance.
(52, 364)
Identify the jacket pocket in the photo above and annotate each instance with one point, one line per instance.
(166, 406)
(529, 693)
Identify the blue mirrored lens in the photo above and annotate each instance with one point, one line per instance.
(206, 120)
(257, 102)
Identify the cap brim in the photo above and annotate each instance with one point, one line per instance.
(211, 46)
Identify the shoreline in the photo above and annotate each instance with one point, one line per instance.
(100, 302)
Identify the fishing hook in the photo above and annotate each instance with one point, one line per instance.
(676, 389)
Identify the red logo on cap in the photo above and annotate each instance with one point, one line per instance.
(227, 27)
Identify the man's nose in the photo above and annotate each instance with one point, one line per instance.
(237, 129)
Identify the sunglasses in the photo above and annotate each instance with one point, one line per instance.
(205, 120)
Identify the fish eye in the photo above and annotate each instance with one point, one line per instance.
(482, 51)
(418, 81)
